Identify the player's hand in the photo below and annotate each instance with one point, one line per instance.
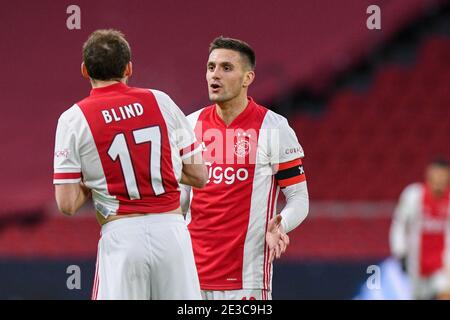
(276, 239)
(284, 239)
(443, 296)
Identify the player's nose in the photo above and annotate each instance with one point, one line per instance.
(215, 74)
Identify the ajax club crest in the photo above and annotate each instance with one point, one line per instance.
(242, 146)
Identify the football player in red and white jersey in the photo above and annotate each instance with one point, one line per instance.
(129, 148)
(252, 153)
(420, 232)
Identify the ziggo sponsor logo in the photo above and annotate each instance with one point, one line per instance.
(229, 175)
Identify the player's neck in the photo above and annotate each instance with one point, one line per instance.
(100, 83)
(437, 193)
(229, 110)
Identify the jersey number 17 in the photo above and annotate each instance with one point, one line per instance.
(119, 150)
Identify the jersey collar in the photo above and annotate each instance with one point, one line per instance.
(113, 87)
(240, 119)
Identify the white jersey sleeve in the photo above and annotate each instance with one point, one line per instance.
(284, 145)
(406, 210)
(285, 158)
(297, 206)
(66, 161)
(177, 124)
(285, 153)
(193, 118)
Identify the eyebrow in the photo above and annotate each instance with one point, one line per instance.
(225, 63)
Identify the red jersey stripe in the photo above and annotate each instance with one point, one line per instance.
(67, 175)
(290, 164)
(190, 148)
(291, 181)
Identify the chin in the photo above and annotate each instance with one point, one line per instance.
(215, 98)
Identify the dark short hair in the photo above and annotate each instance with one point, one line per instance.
(237, 45)
(440, 162)
(106, 54)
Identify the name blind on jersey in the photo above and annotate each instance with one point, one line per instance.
(122, 113)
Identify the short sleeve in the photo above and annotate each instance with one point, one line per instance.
(179, 126)
(186, 140)
(286, 155)
(284, 145)
(66, 160)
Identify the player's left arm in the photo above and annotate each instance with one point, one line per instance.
(71, 197)
(297, 202)
(70, 192)
(292, 215)
(286, 157)
(290, 176)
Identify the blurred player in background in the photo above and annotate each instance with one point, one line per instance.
(420, 233)
(127, 147)
(252, 152)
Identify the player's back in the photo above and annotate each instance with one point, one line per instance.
(126, 150)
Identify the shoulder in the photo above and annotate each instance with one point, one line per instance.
(71, 115)
(203, 114)
(412, 190)
(193, 117)
(167, 106)
(161, 97)
(274, 120)
(159, 93)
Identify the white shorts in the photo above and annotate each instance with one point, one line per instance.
(243, 294)
(148, 257)
(426, 288)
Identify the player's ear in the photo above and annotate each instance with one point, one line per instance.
(128, 70)
(248, 78)
(84, 71)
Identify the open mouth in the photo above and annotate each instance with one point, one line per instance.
(215, 86)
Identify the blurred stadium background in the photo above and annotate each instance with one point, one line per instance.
(370, 107)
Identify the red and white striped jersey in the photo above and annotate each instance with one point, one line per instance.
(127, 145)
(421, 230)
(229, 216)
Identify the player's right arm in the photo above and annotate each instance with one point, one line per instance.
(70, 192)
(403, 214)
